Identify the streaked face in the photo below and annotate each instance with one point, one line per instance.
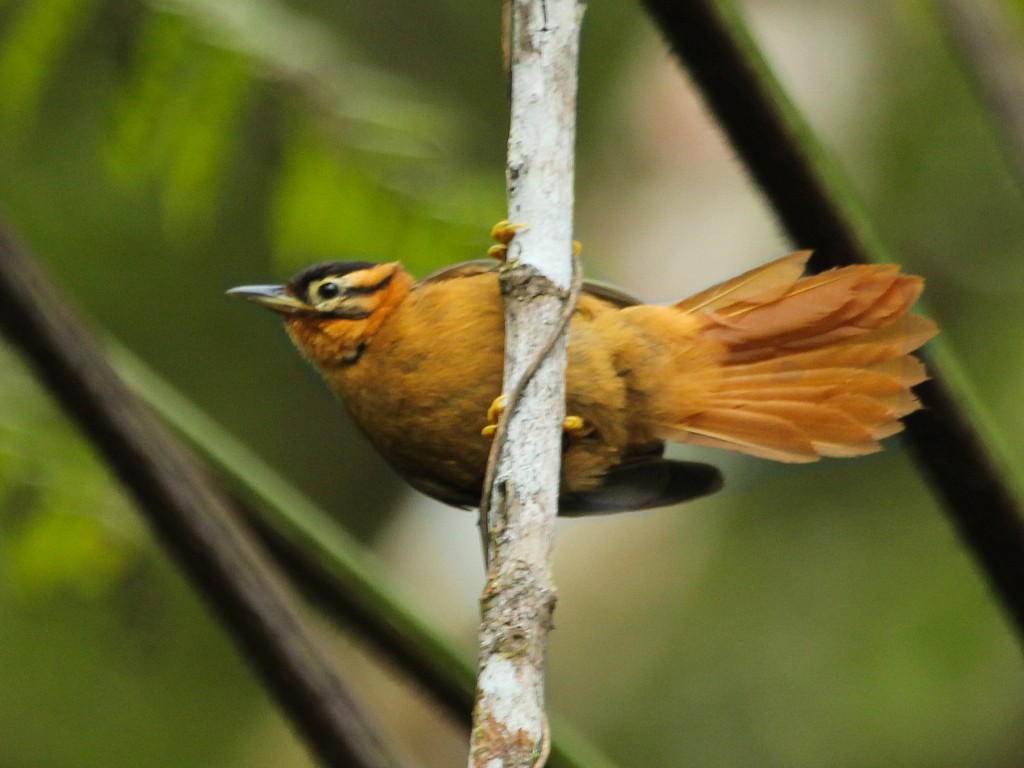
(345, 289)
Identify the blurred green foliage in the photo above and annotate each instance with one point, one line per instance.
(66, 523)
(847, 629)
(155, 154)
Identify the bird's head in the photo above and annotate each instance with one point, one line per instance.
(333, 310)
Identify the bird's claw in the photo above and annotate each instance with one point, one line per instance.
(571, 424)
(493, 414)
(503, 232)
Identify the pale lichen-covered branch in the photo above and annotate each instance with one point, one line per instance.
(510, 726)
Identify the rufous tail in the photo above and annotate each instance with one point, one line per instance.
(806, 366)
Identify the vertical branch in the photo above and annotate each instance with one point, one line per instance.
(509, 724)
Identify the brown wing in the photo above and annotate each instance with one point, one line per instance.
(596, 288)
(462, 269)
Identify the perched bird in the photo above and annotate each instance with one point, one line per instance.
(770, 363)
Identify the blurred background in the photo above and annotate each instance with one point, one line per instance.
(153, 154)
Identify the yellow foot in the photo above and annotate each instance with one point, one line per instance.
(570, 424)
(573, 424)
(503, 232)
(493, 414)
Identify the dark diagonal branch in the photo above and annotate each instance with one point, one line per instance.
(192, 522)
(818, 210)
(765, 129)
(329, 566)
(420, 657)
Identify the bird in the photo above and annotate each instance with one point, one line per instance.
(772, 363)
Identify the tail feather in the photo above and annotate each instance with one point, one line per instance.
(878, 385)
(865, 408)
(758, 286)
(905, 333)
(808, 367)
(797, 366)
(850, 303)
(758, 434)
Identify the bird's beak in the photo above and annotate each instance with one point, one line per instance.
(273, 297)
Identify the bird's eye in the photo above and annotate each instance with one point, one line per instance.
(328, 290)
